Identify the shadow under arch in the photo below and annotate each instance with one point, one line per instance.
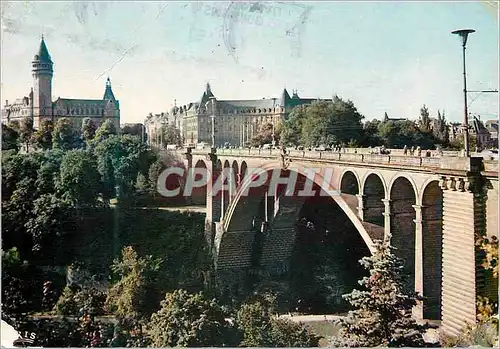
(374, 192)
(349, 183)
(403, 215)
(432, 242)
(235, 244)
(242, 209)
(199, 194)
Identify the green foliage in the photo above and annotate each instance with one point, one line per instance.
(79, 302)
(14, 300)
(171, 135)
(48, 223)
(88, 130)
(264, 135)
(323, 123)
(189, 320)
(133, 296)
(10, 138)
(383, 311)
(107, 129)
(42, 138)
(424, 121)
(482, 334)
(26, 131)
(260, 329)
(490, 248)
(63, 136)
(133, 130)
(120, 159)
(79, 180)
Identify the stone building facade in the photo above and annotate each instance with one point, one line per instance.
(39, 105)
(235, 121)
(155, 122)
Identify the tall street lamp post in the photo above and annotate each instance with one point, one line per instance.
(464, 33)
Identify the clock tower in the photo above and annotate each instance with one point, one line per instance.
(42, 85)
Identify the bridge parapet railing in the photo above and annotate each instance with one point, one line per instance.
(441, 162)
(490, 165)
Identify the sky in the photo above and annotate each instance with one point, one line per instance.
(384, 56)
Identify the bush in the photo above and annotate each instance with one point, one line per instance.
(133, 296)
(259, 329)
(188, 320)
(77, 302)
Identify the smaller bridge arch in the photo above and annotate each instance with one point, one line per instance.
(396, 177)
(374, 191)
(403, 219)
(350, 183)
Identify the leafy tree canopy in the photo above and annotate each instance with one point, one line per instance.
(63, 136)
(42, 138)
(10, 138)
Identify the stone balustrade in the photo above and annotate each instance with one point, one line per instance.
(448, 161)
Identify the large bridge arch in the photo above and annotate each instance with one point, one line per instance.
(242, 210)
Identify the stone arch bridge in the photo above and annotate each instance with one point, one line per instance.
(430, 208)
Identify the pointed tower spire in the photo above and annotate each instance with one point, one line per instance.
(108, 93)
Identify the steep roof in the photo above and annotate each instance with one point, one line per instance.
(74, 101)
(241, 104)
(478, 126)
(285, 98)
(43, 53)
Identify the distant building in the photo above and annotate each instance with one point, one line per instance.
(154, 123)
(492, 127)
(483, 137)
(236, 121)
(39, 105)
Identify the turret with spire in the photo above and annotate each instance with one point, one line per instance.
(42, 71)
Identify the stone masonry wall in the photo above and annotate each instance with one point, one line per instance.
(459, 261)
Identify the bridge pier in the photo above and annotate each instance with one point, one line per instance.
(387, 219)
(418, 311)
(463, 223)
(214, 202)
(361, 206)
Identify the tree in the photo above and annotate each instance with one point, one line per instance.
(424, 121)
(133, 130)
(324, 123)
(79, 180)
(259, 329)
(292, 127)
(264, 136)
(171, 135)
(120, 159)
(10, 138)
(88, 130)
(371, 133)
(63, 136)
(43, 136)
(15, 300)
(189, 320)
(106, 130)
(383, 311)
(133, 295)
(26, 131)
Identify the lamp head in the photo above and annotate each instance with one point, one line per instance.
(463, 33)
